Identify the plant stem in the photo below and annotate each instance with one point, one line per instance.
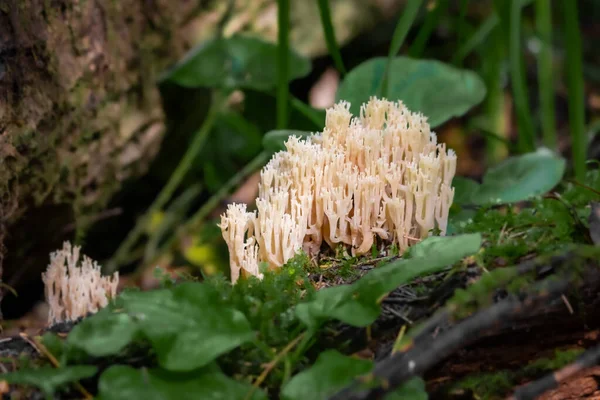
(404, 24)
(167, 191)
(283, 25)
(433, 16)
(545, 77)
(329, 31)
(255, 164)
(261, 378)
(575, 86)
(462, 16)
(480, 35)
(196, 220)
(493, 56)
(526, 138)
(316, 116)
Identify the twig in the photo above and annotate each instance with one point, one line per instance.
(418, 358)
(532, 390)
(269, 367)
(591, 189)
(40, 348)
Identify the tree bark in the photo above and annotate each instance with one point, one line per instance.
(79, 110)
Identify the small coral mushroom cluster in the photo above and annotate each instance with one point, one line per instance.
(72, 291)
(382, 174)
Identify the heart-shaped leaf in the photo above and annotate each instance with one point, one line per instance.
(49, 379)
(516, 179)
(357, 304)
(103, 334)
(330, 373)
(188, 325)
(122, 382)
(437, 90)
(235, 62)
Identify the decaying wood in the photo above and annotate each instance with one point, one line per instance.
(521, 326)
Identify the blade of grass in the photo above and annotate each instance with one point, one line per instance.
(493, 56)
(404, 24)
(575, 87)
(329, 31)
(462, 18)
(543, 21)
(283, 26)
(196, 220)
(480, 35)
(167, 191)
(312, 114)
(431, 20)
(526, 138)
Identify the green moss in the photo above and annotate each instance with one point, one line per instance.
(498, 384)
(488, 386)
(561, 358)
(544, 226)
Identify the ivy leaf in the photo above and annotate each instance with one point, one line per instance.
(516, 179)
(274, 141)
(235, 62)
(103, 334)
(49, 379)
(123, 382)
(357, 304)
(330, 373)
(437, 90)
(188, 325)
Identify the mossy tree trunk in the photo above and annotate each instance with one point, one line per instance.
(79, 112)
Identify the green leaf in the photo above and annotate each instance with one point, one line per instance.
(236, 62)
(357, 304)
(189, 326)
(122, 382)
(302, 116)
(49, 379)
(516, 179)
(330, 373)
(274, 141)
(414, 389)
(464, 188)
(430, 87)
(103, 334)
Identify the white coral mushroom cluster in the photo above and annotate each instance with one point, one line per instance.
(382, 174)
(72, 290)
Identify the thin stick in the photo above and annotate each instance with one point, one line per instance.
(534, 389)
(273, 363)
(37, 344)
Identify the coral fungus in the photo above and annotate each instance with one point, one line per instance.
(382, 174)
(73, 291)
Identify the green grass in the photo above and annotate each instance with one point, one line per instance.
(526, 136)
(329, 31)
(431, 20)
(283, 45)
(575, 84)
(543, 15)
(406, 21)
